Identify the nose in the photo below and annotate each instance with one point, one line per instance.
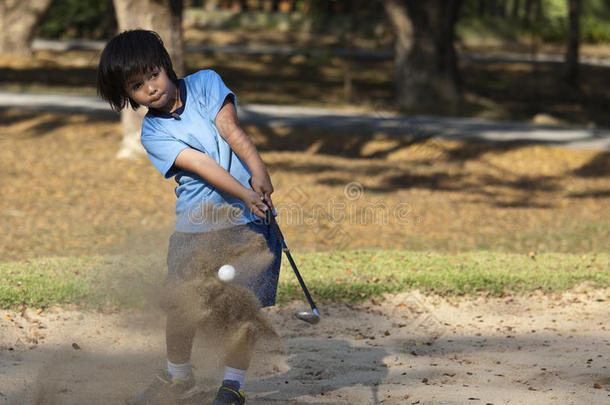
(151, 89)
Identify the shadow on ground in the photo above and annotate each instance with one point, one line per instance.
(313, 370)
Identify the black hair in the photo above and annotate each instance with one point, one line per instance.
(130, 53)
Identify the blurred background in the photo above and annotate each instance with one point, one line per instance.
(355, 46)
(442, 125)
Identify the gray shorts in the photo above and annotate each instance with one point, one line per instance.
(190, 254)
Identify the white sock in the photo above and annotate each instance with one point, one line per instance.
(235, 375)
(178, 370)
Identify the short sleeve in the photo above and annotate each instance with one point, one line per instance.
(214, 93)
(162, 150)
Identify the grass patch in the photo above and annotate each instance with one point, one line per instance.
(352, 276)
(358, 275)
(92, 282)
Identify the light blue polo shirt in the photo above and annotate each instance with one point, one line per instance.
(165, 136)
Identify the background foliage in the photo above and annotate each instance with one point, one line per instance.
(505, 20)
(547, 19)
(69, 19)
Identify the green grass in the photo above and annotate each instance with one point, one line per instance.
(357, 275)
(91, 281)
(352, 276)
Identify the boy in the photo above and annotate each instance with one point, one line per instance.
(191, 132)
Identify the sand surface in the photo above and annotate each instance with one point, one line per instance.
(405, 349)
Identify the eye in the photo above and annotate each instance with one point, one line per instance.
(156, 73)
(136, 86)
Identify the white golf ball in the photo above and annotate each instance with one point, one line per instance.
(226, 272)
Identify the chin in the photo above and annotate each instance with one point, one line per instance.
(160, 104)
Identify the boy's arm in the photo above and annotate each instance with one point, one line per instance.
(203, 165)
(228, 127)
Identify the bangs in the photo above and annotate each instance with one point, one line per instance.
(139, 53)
(141, 61)
(130, 55)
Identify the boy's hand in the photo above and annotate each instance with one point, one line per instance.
(261, 184)
(254, 203)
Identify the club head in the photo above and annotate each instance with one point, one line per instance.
(309, 317)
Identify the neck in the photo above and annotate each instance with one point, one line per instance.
(177, 101)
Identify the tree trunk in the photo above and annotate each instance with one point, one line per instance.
(165, 18)
(493, 7)
(425, 57)
(516, 7)
(571, 74)
(529, 7)
(18, 20)
(211, 5)
(539, 11)
(482, 7)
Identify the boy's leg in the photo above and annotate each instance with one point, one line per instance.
(174, 382)
(242, 344)
(179, 330)
(239, 354)
(241, 347)
(179, 335)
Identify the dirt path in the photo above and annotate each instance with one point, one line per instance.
(355, 121)
(407, 349)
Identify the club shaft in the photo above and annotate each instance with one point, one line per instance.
(273, 223)
(301, 281)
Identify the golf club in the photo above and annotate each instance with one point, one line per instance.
(309, 317)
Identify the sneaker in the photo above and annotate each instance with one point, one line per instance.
(165, 389)
(229, 394)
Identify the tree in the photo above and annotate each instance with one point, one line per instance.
(515, 9)
(571, 73)
(18, 18)
(78, 19)
(425, 58)
(211, 5)
(164, 17)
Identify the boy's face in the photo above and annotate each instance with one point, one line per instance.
(153, 89)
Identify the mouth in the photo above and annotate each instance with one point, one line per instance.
(153, 101)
